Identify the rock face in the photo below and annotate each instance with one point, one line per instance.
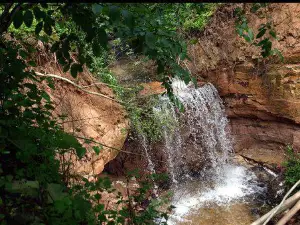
(87, 116)
(262, 97)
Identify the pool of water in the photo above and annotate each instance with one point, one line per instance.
(224, 201)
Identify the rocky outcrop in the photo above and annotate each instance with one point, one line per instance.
(87, 116)
(262, 97)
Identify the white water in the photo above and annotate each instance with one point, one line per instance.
(199, 151)
(236, 184)
(203, 124)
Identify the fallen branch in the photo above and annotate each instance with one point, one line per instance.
(289, 214)
(285, 205)
(110, 85)
(278, 207)
(78, 86)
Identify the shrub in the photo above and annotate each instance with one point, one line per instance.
(292, 166)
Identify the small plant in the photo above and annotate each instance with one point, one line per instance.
(292, 166)
(266, 31)
(200, 16)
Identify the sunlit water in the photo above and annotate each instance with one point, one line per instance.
(236, 186)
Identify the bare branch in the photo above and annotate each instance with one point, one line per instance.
(110, 85)
(278, 207)
(285, 205)
(289, 214)
(78, 86)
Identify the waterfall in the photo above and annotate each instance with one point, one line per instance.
(146, 147)
(203, 126)
(199, 152)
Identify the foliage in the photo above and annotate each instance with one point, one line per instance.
(262, 39)
(31, 140)
(195, 16)
(147, 121)
(292, 166)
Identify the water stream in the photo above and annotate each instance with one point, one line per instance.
(199, 154)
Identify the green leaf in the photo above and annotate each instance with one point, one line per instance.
(255, 7)
(56, 191)
(239, 31)
(90, 33)
(32, 63)
(160, 67)
(28, 18)
(193, 41)
(182, 56)
(18, 19)
(261, 33)
(97, 196)
(114, 13)
(272, 33)
(128, 18)
(278, 53)
(54, 47)
(150, 40)
(50, 83)
(46, 96)
(247, 38)
(97, 149)
(96, 48)
(66, 141)
(38, 13)
(38, 28)
(244, 25)
(251, 35)
(80, 151)
(99, 207)
(31, 86)
(23, 54)
(96, 8)
(103, 38)
(48, 29)
(66, 68)
(75, 68)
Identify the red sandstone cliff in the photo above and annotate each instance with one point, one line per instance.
(262, 98)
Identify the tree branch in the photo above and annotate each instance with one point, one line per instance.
(78, 86)
(278, 207)
(289, 214)
(110, 85)
(286, 205)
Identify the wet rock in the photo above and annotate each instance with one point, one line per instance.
(272, 182)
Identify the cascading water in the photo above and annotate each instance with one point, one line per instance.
(204, 126)
(199, 151)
